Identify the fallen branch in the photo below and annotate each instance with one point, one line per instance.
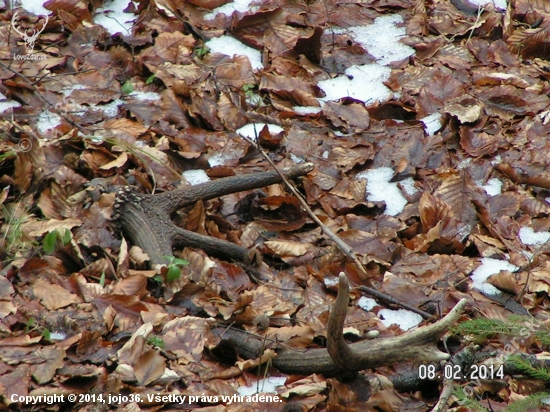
(446, 392)
(415, 346)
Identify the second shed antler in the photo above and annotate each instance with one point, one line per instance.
(342, 359)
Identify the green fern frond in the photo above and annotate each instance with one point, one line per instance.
(530, 403)
(525, 367)
(468, 402)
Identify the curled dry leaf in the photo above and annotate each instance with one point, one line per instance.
(354, 118)
(287, 247)
(505, 281)
(466, 111)
(433, 210)
(477, 143)
(267, 355)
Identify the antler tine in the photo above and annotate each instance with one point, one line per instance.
(45, 23)
(36, 32)
(13, 24)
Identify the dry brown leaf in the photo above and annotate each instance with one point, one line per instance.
(477, 143)
(266, 356)
(353, 117)
(149, 367)
(53, 358)
(53, 296)
(132, 285)
(142, 333)
(432, 210)
(15, 382)
(23, 172)
(505, 281)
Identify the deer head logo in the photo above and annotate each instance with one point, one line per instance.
(29, 40)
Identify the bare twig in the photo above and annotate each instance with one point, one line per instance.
(393, 301)
(41, 97)
(441, 405)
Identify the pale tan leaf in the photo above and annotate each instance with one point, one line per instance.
(267, 355)
(118, 162)
(138, 255)
(109, 317)
(464, 112)
(41, 228)
(307, 389)
(87, 290)
(7, 308)
(143, 332)
(287, 247)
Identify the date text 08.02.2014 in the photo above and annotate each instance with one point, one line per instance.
(455, 372)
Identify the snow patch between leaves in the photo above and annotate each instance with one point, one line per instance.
(403, 318)
(6, 104)
(493, 186)
(230, 46)
(529, 237)
(380, 189)
(111, 109)
(241, 6)
(35, 7)
(219, 159)
(499, 4)
(145, 96)
(47, 121)
(305, 110)
(367, 304)
(252, 130)
(266, 385)
(489, 267)
(113, 18)
(364, 83)
(196, 176)
(432, 123)
(381, 39)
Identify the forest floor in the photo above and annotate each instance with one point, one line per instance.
(427, 123)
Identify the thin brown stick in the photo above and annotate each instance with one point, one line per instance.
(448, 384)
(393, 301)
(41, 97)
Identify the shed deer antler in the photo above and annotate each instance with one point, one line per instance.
(29, 40)
(342, 359)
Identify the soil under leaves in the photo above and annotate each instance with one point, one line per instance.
(80, 310)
